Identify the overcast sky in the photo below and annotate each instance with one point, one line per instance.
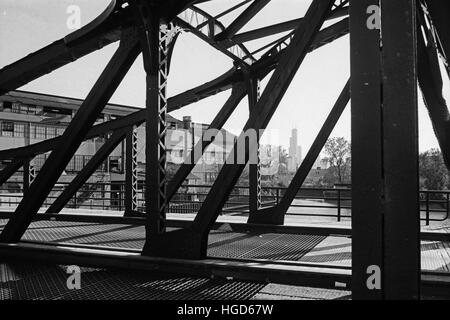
(28, 25)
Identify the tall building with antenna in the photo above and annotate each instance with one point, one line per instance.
(295, 152)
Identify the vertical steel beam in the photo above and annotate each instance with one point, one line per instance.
(385, 211)
(88, 170)
(29, 174)
(401, 177)
(367, 167)
(154, 38)
(28, 169)
(254, 168)
(131, 178)
(90, 109)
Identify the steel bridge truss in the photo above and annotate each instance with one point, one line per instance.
(385, 215)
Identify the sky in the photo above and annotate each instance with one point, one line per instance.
(28, 25)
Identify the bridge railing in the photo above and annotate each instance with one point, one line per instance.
(309, 202)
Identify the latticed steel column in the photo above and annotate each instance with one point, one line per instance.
(131, 179)
(254, 168)
(28, 169)
(154, 40)
(29, 174)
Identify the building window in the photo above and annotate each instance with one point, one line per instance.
(16, 107)
(115, 164)
(172, 125)
(7, 106)
(19, 130)
(51, 132)
(40, 132)
(210, 177)
(7, 128)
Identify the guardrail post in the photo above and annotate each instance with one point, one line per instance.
(339, 205)
(446, 206)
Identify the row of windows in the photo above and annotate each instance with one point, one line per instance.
(210, 155)
(78, 162)
(18, 107)
(37, 131)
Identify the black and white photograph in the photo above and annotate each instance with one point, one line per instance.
(224, 158)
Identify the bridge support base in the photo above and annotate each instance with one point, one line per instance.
(181, 244)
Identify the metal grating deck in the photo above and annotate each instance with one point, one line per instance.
(223, 242)
(20, 281)
(270, 246)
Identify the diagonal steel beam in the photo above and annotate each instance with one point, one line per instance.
(277, 28)
(237, 94)
(92, 106)
(87, 171)
(439, 11)
(276, 214)
(103, 30)
(242, 20)
(10, 169)
(192, 242)
(431, 84)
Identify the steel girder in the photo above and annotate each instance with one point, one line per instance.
(73, 136)
(385, 207)
(191, 242)
(97, 34)
(254, 168)
(131, 177)
(154, 39)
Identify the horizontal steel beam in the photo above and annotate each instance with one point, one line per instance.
(433, 283)
(312, 276)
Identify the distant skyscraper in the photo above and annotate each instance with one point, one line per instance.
(295, 152)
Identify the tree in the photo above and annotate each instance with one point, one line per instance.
(337, 150)
(432, 170)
